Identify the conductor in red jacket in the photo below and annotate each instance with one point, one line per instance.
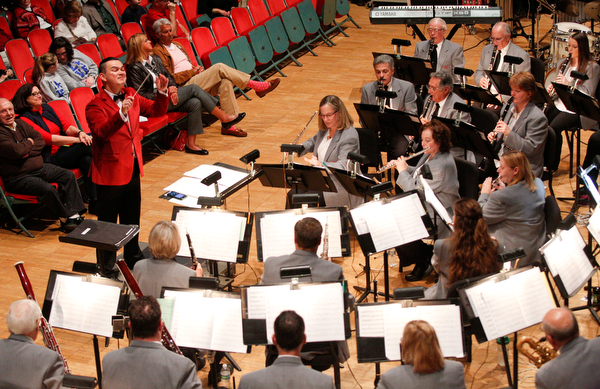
(113, 116)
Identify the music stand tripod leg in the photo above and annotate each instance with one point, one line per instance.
(98, 362)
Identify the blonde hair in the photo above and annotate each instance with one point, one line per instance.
(421, 348)
(338, 106)
(72, 8)
(135, 53)
(164, 240)
(42, 63)
(517, 159)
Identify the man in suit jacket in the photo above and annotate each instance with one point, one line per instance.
(502, 42)
(287, 372)
(405, 100)
(100, 17)
(113, 117)
(24, 364)
(447, 55)
(145, 363)
(307, 238)
(578, 365)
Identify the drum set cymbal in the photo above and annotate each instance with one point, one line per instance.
(592, 9)
(567, 7)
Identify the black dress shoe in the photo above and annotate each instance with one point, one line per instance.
(71, 224)
(238, 119)
(419, 273)
(199, 152)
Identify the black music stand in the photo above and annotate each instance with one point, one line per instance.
(301, 177)
(469, 137)
(357, 185)
(541, 96)
(472, 93)
(500, 80)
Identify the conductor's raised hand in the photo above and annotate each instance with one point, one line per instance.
(162, 83)
(127, 104)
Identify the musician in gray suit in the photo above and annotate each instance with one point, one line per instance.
(447, 55)
(525, 127)
(146, 363)
(287, 372)
(423, 366)
(307, 238)
(578, 365)
(24, 364)
(514, 211)
(405, 100)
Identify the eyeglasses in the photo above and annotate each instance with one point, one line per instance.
(436, 30)
(327, 115)
(499, 39)
(38, 93)
(429, 87)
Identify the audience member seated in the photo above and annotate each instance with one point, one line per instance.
(45, 74)
(27, 17)
(100, 17)
(469, 252)
(287, 371)
(191, 98)
(423, 365)
(216, 8)
(163, 9)
(146, 363)
(23, 170)
(66, 145)
(75, 68)
(578, 365)
(162, 269)
(73, 26)
(5, 74)
(514, 208)
(133, 12)
(24, 364)
(219, 79)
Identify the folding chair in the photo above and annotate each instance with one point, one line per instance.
(40, 41)
(19, 56)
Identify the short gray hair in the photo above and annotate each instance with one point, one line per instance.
(440, 21)
(384, 59)
(23, 316)
(159, 23)
(504, 27)
(446, 79)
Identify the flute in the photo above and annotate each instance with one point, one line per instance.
(391, 164)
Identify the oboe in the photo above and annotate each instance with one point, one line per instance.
(391, 164)
(325, 253)
(166, 338)
(45, 327)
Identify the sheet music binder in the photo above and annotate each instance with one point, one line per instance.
(577, 262)
(541, 302)
(256, 329)
(101, 235)
(359, 185)
(501, 81)
(365, 240)
(49, 302)
(302, 177)
(344, 237)
(472, 93)
(244, 244)
(390, 121)
(578, 101)
(372, 348)
(471, 138)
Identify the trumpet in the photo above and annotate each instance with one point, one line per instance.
(539, 353)
(391, 164)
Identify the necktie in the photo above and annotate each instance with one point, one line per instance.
(436, 111)
(388, 102)
(119, 97)
(434, 58)
(497, 61)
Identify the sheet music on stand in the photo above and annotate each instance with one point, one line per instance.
(191, 183)
(82, 303)
(205, 319)
(320, 305)
(379, 327)
(432, 199)
(507, 302)
(216, 234)
(275, 231)
(568, 263)
(383, 224)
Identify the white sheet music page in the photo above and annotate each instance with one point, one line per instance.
(445, 319)
(534, 297)
(395, 319)
(277, 234)
(324, 312)
(502, 301)
(383, 228)
(565, 258)
(407, 212)
(359, 216)
(229, 177)
(279, 300)
(331, 220)
(257, 299)
(191, 187)
(227, 329)
(480, 309)
(84, 306)
(594, 225)
(193, 319)
(432, 199)
(214, 235)
(370, 321)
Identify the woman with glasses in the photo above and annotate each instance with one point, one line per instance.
(66, 145)
(581, 61)
(73, 27)
(142, 71)
(332, 143)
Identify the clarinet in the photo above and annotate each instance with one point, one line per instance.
(491, 65)
(562, 69)
(45, 327)
(325, 253)
(192, 252)
(426, 107)
(431, 48)
(166, 338)
(499, 137)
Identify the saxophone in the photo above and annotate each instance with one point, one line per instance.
(539, 353)
(45, 327)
